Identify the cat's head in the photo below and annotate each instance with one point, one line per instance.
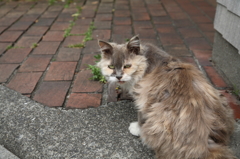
(121, 62)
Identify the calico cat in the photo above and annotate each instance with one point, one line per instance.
(180, 115)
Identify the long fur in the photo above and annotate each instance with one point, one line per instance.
(181, 116)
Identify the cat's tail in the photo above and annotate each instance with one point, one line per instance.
(220, 152)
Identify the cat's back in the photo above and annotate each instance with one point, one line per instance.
(181, 104)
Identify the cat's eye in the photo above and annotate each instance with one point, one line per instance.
(111, 66)
(127, 66)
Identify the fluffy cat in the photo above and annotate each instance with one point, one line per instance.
(180, 115)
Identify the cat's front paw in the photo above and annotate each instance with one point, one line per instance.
(134, 129)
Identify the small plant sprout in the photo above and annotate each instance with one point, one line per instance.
(13, 47)
(34, 45)
(236, 91)
(51, 2)
(80, 45)
(97, 75)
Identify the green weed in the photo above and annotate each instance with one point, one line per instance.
(80, 45)
(13, 47)
(88, 34)
(51, 2)
(236, 91)
(34, 45)
(97, 75)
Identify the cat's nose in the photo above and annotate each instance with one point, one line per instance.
(118, 77)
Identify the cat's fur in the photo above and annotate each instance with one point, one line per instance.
(181, 116)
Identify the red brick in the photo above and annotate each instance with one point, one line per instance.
(198, 44)
(52, 93)
(50, 14)
(14, 14)
(121, 38)
(46, 48)
(28, 41)
(174, 9)
(190, 32)
(20, 25)
(170, 39)
(145, 33)
(122, 13)
(157, 12)
(122, 21)
(203, 56)
(103, 10)
(69, 54)
(79, 29)
(60, 25)
(122, 7)
(29, 17)
(3, 47)
(64, 17)
(206, 27)
(83, 83)
(233, 103)
(177, 50)
(7, 21)
(183, 23)
(215, 78)
(88, 59)
(24, 82)
(91, 47)
(15, 55)
(122, 29)
(2, 29)
(188, 60)
(140, 16)
(83, 21)
(193, 11)
(103, 24)
(103, 17)
(54, 36)
(35, 63)
(178, 15)
(36, 30)
(210, 36)
(6, 70)
(10, 36)
(61, 71)
(137, 9)
(102, 34)
(82, 100)
(161, 20)
(201, 19)
(142, 24)
(165, 29)
(44, 22)
(122, 2)
(154, 5)
(71, 40)
(87, 14)
(151, 41)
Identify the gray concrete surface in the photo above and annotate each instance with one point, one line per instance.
(227, 59)
(30, 130)
(5, 154)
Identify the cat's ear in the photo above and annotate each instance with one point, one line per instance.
(133, 45)
(105, 47)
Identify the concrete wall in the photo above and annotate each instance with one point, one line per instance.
(226, 48)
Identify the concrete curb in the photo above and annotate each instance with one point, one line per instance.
(31, 130)
(5, 154)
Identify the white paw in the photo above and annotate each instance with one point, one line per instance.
(134, 129)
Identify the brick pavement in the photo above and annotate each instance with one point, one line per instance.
(36, 61)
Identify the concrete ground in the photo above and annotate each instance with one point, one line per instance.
(43, 65)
